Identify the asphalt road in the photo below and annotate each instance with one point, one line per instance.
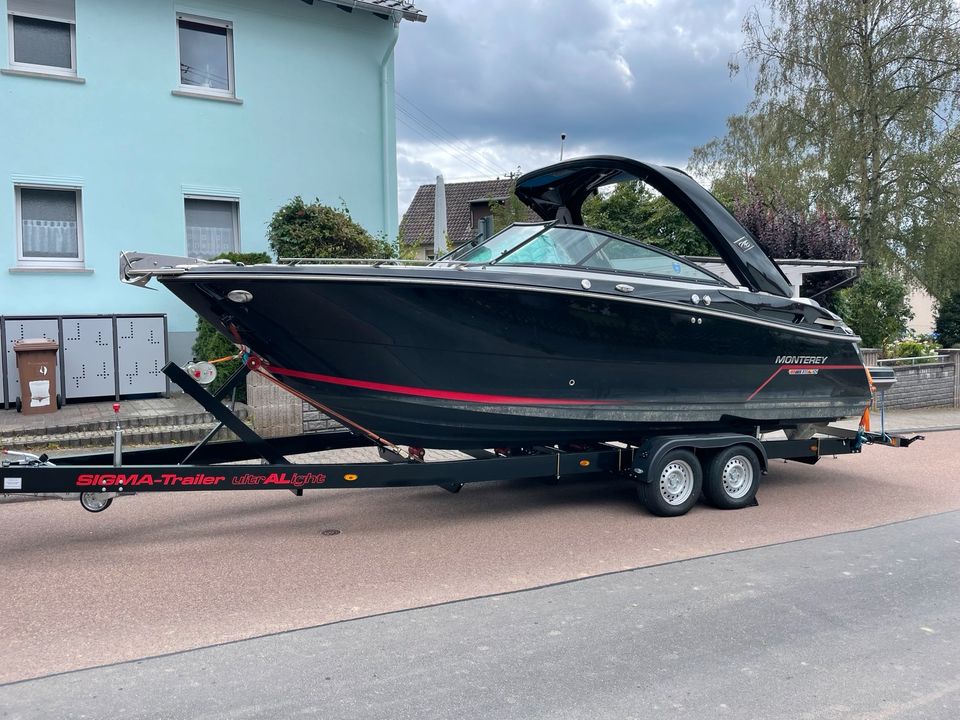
(862, 625)
(162, 573)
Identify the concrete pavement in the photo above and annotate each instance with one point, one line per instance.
(162, 573)
(900, 420)
(860, 625)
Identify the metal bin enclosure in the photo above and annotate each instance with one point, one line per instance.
(88, 362)
(141, 355)
(37, 373)
(14, 329)
(100, 356)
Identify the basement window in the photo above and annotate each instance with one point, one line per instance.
(49, 227)
(213, 226)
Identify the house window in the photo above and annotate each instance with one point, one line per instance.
(49, 227)
(43, 36)
(206, 55)
(212, 226)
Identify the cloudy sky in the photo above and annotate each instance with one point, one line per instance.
(485, 86)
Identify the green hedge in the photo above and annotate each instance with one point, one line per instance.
(948, 322)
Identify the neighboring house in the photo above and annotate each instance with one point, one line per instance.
(924, 307)
(467, 204)
(179, 128)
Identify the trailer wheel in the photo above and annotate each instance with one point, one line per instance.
(94, 502)
(732, 478)
(674, 486)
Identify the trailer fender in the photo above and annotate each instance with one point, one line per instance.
(649, 453)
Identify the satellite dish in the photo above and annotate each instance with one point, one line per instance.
(203, 372)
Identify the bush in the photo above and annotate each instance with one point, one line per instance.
(913, 346)
(316, 230)
(948, 322)
(211, 344)
(876, 308)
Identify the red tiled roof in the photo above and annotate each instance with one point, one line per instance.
(417, 224)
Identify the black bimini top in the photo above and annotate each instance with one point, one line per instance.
(557, 193)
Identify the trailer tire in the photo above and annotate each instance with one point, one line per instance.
(92, 502)
(674, 486)
(732, 478)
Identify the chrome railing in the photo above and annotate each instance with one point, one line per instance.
(915, 360)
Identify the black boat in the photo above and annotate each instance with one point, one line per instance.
(546, 333)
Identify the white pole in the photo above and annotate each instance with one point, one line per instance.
(439, 219)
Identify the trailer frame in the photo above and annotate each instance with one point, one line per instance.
(97, 478)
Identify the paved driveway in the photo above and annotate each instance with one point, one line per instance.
(861, 625)
(161, 573)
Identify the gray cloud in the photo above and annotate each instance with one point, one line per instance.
(645, 78)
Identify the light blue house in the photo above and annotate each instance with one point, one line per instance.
(179, 128)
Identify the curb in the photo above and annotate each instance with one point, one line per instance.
(156, 435)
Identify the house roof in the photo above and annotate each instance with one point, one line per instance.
(401, 8)
(417, 225)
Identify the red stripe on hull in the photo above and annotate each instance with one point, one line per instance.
(802, 367)
(431, 393)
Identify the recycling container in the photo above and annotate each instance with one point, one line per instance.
(37, 367)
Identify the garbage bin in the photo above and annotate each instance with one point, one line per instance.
(37, 365)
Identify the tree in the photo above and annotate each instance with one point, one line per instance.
(876, 308)
(786, 232)
(508, 211)
(796, 233)
(316, 230)
(948, 321)
(855, 111)
(634, 211)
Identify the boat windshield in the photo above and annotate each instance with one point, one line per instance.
(579, 247)
(500, 243)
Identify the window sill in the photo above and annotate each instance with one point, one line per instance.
(207, 96)
(49, 269)
(42, 75)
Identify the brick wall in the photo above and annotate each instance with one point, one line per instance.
(928, 385)
(274, 411)
(315, 421)
(918, 386)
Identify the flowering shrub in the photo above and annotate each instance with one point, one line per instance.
(913, 346)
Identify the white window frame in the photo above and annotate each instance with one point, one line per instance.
(231, 91)
(42, 69)
(232, 199)
(35, 262)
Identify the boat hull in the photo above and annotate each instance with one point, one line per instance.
(465, 362)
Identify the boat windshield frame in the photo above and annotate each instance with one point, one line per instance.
(551, 225)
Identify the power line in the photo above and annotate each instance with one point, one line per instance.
(452, 139)
(456, 156)
(476, 159)
(457, 146)
(477, 163)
